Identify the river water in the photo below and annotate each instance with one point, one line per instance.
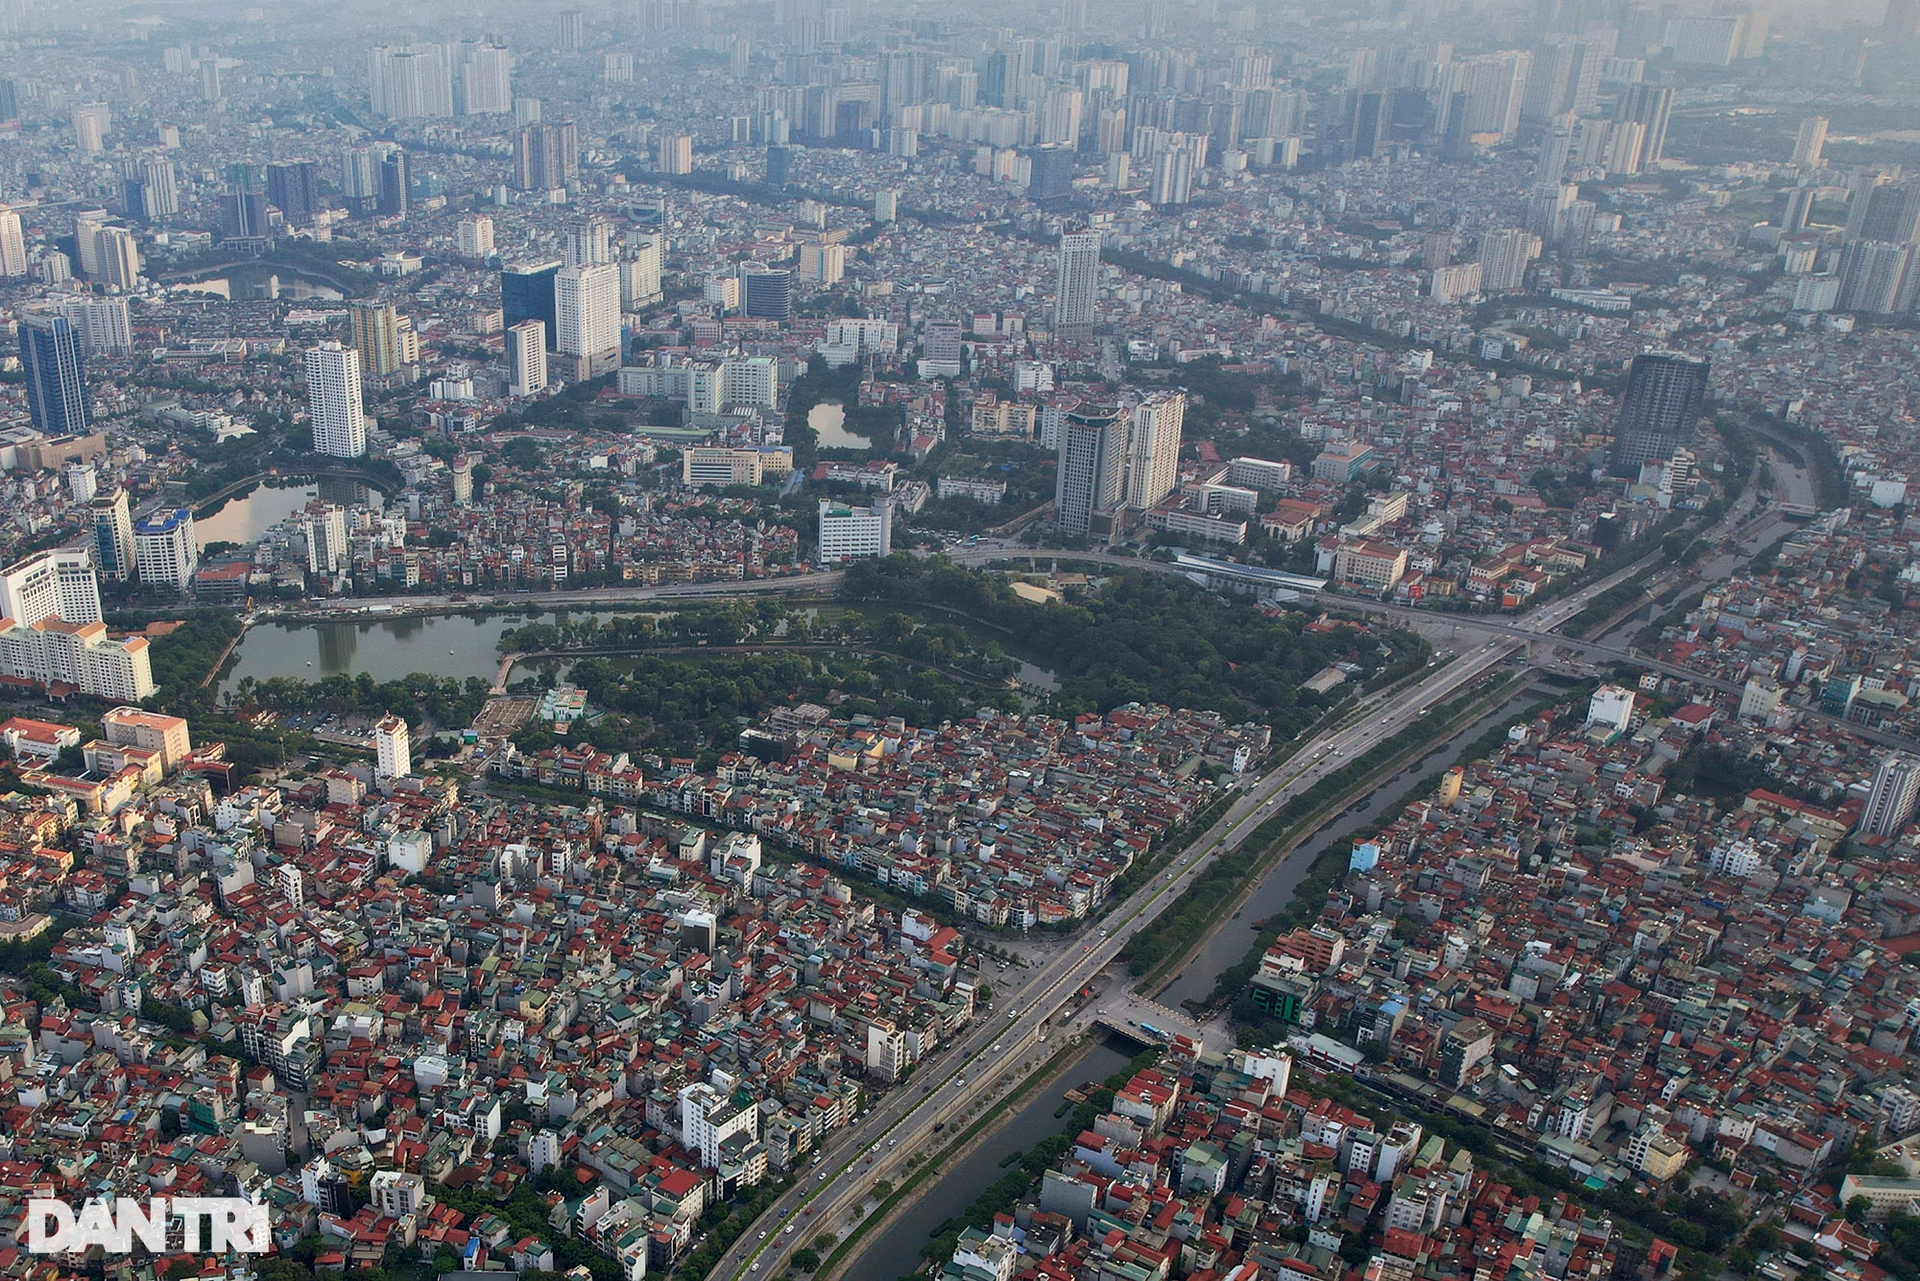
(896, 1251)
(1229, 944)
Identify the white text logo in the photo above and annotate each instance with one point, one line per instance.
(209, 1224)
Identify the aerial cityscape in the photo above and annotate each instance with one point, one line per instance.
(1176, 640)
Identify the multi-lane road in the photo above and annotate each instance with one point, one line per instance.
(969, 1074)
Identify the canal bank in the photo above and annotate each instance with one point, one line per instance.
(892, 1250)
(1228, 943)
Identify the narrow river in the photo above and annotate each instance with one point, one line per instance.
(896, 1252)
(1230, 943)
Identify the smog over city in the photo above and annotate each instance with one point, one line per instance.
(817, 640)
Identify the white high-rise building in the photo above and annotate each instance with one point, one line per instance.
(53, 584)
(165, 550)
(1154, 456)
(333, 401)
(119, 258)
(91, 120)
(1076, 284)
(394, 754)
(1810, 145)
(476, 236)
(590, 243)
(527, 358)
(708, 1118)
(586, 304)
(854, 533)
(1504, 256)
(485, 82)
(640, 273)
(326, 533)
(13, 245)
(102, 325)
(1893, 797)
(409, 81)
(83, 482)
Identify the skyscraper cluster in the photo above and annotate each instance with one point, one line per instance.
(1114, 459)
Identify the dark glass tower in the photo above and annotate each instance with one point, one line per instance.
(56, 380)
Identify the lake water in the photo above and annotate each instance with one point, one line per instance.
(386, 649)
(245, 517)
(264, 280)
(829, 422)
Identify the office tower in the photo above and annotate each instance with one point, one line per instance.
(1154, 463)
(766, 293)
(13, 245)
(1110, 131)
(886, 205)
(586, 305)
(1370, 117)
(1504, 255)
(243, 214)
(572, 26)
(1652, 106)
(1873, 276)
(1887, 211)
(675, 153)
(1811, 142)
(526, 111)
(476, 237)
(113, 549)
(546, 157)
(1798, 209)
(590, 243)
(102, 326)
(526, 358)
(91, 122)
(333, 401)
(1665, 394)
(294, 189)
(1051, 174)
(55, 375)
(1076, 283)
(1092, 468)
(160, 191)
(1891, 800)
(527, 293)
(484, 84)
(165, 549)
(209, 80)
(461, 468)
(9, 103)
(376, 338)
(640, 273)
(409, 82)
(855, 533)
(393, 754)
(394, 182)
(54, 584)
(779, 163)
(360, 178)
